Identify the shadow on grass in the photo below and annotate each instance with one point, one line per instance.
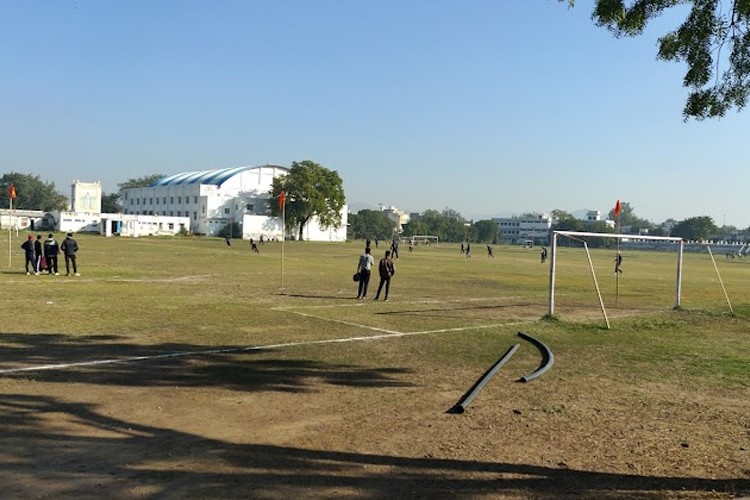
(449, 309)
(313, 296)
(106, 457)
(90, 360)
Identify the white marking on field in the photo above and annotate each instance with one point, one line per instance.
(131, 359)
(385, 334)
(348, 323)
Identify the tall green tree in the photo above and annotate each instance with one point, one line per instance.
(447, 225)
(714, 42)
(311, 190)
(138, 182)
(370, 224)
(484, 231)
(111, 203)
(695, 228)
(32, 193)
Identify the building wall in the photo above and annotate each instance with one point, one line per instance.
(209, 207)
(519, 230)
(86, 197)
(242, 198)
(255, 226)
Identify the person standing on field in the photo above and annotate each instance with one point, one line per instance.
(618, 263)
(364, 268)
(70, 247)
(38, 254)
(386, 270)
(28, 247)
(51, 250)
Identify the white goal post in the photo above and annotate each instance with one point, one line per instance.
(578, 236)
(423, 239)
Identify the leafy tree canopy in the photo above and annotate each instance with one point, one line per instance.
(447, 225)
(111, 203)
(715, 35)
(372, 224)
(32, 193)
(138, 182)
(484, 231)
(311, 190)
(695, 228)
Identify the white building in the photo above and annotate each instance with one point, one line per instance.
(528, 230)
(86, 197)
(212, 200)
(399, 217)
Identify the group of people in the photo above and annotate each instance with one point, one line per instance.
(386, 270)
(42, 256)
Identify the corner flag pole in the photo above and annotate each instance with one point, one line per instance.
(282, 206)
(11, 197)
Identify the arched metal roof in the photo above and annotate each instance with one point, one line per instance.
(217, 177)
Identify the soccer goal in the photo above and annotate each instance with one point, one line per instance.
(421, 239)
(581, 239)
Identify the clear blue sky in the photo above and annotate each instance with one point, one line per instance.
(487, 107)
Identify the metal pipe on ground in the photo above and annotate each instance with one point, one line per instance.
(467, 398)
(547, 358)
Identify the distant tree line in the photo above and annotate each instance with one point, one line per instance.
(313, 190)
(450, 226)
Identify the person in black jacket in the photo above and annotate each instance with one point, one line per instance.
(386, 270)
(70, 247)
(28, 247)
(51, 250)
(38, 254)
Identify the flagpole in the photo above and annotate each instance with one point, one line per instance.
(10, 234)
(283, 226)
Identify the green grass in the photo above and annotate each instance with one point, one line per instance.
(147, 295)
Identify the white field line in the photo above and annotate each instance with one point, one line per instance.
(408, 302)
(131, 359)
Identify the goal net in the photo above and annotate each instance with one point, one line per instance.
(629, 272)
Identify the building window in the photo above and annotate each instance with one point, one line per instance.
(164, 200)
(157, 201)
(171, 200)
(179, 200)
(150, 201)
(249, 207)
(203, 209)
(226, 211)
(171, 213)
(195, 215)
(195, 200)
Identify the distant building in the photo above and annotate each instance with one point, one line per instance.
(212, 200)
(399, 217)
(532, 229)
(593, 216)
(86, 197)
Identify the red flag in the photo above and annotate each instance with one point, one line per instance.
(282, 200)
(618, 207)
(12, 191)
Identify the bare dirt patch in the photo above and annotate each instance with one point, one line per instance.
(271, 425)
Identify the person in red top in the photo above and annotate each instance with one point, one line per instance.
(386, 270)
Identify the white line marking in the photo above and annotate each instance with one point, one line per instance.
(349, 323)
(387, 334)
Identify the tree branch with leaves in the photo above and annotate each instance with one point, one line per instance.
(715, 35)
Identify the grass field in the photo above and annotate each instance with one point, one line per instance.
(177, 368)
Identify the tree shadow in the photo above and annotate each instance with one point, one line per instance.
(111, 360)
(96, 455)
